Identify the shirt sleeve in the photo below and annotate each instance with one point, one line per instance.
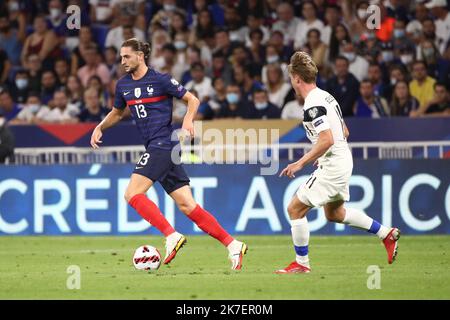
(173, 87)
(119, 101)
(318, 117)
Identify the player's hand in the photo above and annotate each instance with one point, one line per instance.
(316, 163)
(95, 137)
(291, 169)
(188, 125)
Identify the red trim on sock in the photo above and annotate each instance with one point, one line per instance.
(205, 221)
(148, 210)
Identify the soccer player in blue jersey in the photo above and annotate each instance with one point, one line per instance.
(148, 94)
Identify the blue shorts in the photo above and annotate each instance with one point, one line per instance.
(156, 164)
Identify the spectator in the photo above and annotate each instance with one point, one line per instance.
(235, 106)
(287, 23)
(332, 18)
(29, 110)
(6, 142)
(48, 86)
(223, 42)
(58, 110)
(93, 111)
(57, 20)
(74, 91)
(96, 83)
(115, 36)
(243, 77)
(42, 42)
(261, 108)
(339, 36)
(403, 103)
(204, 29)
(85, 42)
(439, 10)
(5, 66)
(10, 40)
(257, 49)
(178, 25)
(368, 104)
(317, 47)
(217, 102)
(111, 61)
(220, 68)
(376, 78)
(19, 89)
(429, 53)
(17, 19)
(101, 11)
(310, 22)
(234, 23)
(279, 91)
(255, 23)
(358, 65)
(159, 39)
(34, 68)
(342, 86)
(8, 108)
(200, 83)
(414, 28)
(94, 66)
(240, 55)
(439, 105)
(293, 109)
(421, 86)
(62, 71)
(284, 51)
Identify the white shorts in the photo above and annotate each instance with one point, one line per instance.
(329, 183)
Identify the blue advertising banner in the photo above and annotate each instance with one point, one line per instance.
(413, 195)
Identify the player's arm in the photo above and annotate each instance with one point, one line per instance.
(111, 119)
(346, 132)
(192, 107)
(324, 142)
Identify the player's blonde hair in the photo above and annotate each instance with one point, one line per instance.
(303, 66)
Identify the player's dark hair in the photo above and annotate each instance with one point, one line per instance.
(138, 45)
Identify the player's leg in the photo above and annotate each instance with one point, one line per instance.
(206, 222)
(336, 212)
(297, 211)
(136, 197)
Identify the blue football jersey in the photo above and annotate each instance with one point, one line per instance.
(150, 102)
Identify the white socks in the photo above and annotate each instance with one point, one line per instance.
(300, 237)
(358, 219)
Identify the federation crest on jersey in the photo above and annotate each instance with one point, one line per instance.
(137, 92)
(174, 82)
(313, 112)
(149, 91)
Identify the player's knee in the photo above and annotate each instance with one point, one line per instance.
(333, 217)
(293, 212)
(128, 195)
(187, 206)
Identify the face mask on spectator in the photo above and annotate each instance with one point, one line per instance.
(406, 58)
(21, 83)
(393, 81)
(232, 98)
(362, 13)
(428, 52)
(261, 105)
(399, 33)
(54, 13)
(388, 56)
(350, 56)
(34, 107)
(180, 45)
(169, 7)
(272, 59)
(13, 6)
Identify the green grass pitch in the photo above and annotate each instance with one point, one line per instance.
(36, 268)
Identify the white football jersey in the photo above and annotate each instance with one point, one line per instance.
(322, 112)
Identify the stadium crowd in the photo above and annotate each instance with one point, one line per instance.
(232, 54)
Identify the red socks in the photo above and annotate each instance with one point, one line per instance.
(209, 224)
(150, 212)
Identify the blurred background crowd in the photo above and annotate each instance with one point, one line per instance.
(231, 54)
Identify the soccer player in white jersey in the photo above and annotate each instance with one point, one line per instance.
(328, 186)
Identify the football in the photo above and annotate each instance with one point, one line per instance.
(147, 258)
